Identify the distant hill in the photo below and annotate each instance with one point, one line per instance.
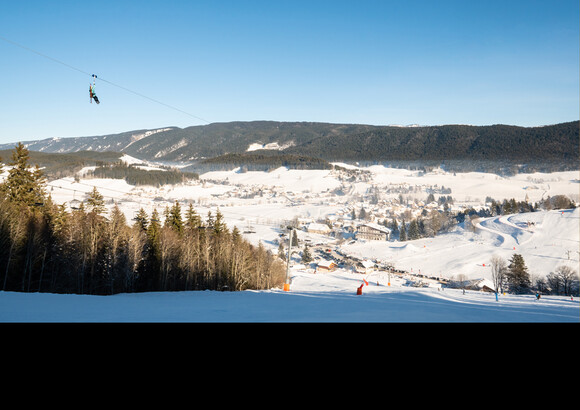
(553, 144)
(113, 142)
(451, 142)
(57, 165)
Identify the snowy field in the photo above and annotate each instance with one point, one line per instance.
(552, 240)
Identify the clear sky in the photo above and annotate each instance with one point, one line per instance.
(181, 63)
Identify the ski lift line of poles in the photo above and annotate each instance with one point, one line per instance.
(83, 192)
(99, 187)
(141, 199)
(132, 197)
(101, 79)
(146, 199)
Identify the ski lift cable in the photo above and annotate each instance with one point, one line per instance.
(93, 76)
(154, 100)
(101, 79)
(81, 192)
(43, 55)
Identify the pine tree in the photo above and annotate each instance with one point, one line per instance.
(141, 220)
(96, 202)
(23, 184)
(154, 227)
(173, 218)
(394, 227)
(517, 275)
(403, 232)
(219, 227)
(413, 230)
(513, 206)
(153, 253)
(294, 236)
(306, 257)
(209, 220)
(362, 214)
(192, 218)
(236, 236)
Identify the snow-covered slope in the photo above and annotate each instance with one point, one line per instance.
(552, 241)
(328, 297)
(259, 203)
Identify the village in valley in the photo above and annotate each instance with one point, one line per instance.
(287, 162)
(350, 229)
(350, 218)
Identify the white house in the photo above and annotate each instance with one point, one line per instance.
(318, 228)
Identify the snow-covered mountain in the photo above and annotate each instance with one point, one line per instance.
(114, 142)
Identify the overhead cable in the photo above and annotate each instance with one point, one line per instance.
(101, 79)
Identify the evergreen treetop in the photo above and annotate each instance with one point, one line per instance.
(24, 184)
(517, 274)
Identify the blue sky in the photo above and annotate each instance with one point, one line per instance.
(372, 62)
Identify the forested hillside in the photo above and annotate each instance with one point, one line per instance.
(45, 247)
(453, 142)
(136, 176)
(554, 145)
(261, 161)
(57, 165)
(336, 142)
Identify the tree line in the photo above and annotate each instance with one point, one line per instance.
(515, 277)
(135, 176)
(45, 247)
(262, 160)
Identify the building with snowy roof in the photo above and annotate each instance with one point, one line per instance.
(326, 265)
(373, 232)
(318, 228)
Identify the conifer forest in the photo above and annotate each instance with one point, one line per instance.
(84, 249)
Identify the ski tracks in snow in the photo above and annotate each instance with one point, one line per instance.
(508, 233)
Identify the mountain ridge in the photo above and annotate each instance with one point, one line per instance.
(335, 142)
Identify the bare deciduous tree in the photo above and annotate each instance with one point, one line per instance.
(498, 270)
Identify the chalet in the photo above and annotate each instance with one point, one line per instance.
(484, 285)
(373, 232)
(365, 266)
(326, 266)
(318, 228)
